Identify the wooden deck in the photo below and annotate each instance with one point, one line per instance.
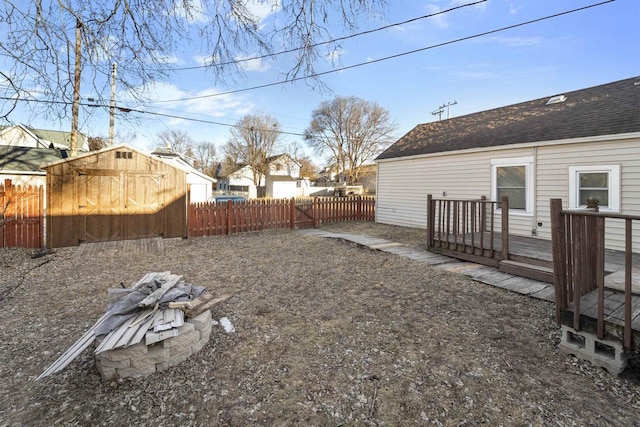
(537, 250)
(121, 247)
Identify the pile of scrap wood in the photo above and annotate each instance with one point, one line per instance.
(152, 309)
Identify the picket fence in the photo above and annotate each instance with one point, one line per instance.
(210, 219)
(21, 215)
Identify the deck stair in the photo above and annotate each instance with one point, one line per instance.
(533, 271)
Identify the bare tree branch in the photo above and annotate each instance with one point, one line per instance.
(351, 131)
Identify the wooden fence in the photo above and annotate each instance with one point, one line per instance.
(579, 266)
(21, 215)
(208, 219)
(466, 229)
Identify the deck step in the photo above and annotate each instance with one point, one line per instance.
(535, 272)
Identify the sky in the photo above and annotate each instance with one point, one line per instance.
(569, 52)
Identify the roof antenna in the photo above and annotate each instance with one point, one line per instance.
(440, 109)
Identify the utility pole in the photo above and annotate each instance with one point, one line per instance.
(112, 104)
(75, 106)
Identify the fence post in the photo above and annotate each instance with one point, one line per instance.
(314, 210)
(292, 213)
(504, 207)
(558, 245)
(229, 216)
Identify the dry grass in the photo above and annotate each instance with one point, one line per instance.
(326, 334)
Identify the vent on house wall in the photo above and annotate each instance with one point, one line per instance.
(124, 155)
(556, 99)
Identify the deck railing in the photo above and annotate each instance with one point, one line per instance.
(468, 228)
(578, 239)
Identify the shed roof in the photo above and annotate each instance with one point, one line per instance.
(27, 159)
(609, 109)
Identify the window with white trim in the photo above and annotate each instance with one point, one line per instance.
(601, 182)
(513, 177)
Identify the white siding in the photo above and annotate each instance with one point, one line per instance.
(553, 181)
(403, 185)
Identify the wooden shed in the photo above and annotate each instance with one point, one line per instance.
(116, 193)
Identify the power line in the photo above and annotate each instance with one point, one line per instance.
(386, 58)
(152, 113)
(282, 52)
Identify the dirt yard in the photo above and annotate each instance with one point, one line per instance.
(327, 333)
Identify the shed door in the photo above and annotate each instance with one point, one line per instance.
(119, 206)
(143, 206)
(99, 207)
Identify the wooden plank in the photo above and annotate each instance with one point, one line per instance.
(132, 329)
(112, 338)
(72, 352)
(143, 329)
(158, 293)
(207, 305)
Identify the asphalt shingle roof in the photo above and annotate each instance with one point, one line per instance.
(25, 159)
(608, 109)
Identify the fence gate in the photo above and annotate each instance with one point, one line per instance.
(304, 213)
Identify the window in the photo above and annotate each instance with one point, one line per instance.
(600, 182)
(513, 178)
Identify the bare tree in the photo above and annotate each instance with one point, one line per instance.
(97, 143)
(252, 141)
(204, 154)
(177, 140)
(51, 47)
(308, 169)
(351, 131)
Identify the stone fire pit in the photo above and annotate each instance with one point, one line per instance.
(158, 322)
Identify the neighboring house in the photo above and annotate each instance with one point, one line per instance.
(25, 136)
(279, 182)
(573, 146)
(23, 165)
(330, 173)
(200, 186)
(240, 182)
(282, 177)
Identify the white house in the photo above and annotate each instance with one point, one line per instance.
(279, 182)
(573, 146)
(25, 136)
(282, 176)
(199, 185)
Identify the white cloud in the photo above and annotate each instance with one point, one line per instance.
(513, 9)
(335, 55)
(518, 41)
(439, 21)
(252, 64)
(262, 9)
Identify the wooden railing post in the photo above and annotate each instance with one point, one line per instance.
(504, 206)
(628, 242)
(558, 245)
(430, 220)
